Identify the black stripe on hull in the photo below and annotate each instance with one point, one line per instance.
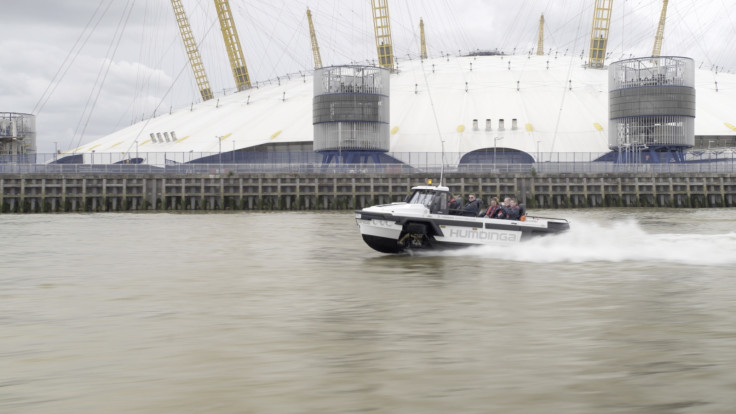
(382, 244)
(386, 245)
(552, 226)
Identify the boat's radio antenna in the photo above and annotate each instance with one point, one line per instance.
(437, 124)
(442, 167)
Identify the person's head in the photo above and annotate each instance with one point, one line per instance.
(507, 201)
(494, 201)
(513, 201)
(471, 197)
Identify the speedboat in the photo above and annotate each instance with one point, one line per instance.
(425, 220)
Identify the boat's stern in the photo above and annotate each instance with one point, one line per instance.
(555, 226)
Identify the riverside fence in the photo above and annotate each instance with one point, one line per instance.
(721, 160)
(723, 166)
(218, 188)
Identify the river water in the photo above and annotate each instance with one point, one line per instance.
(633, 311)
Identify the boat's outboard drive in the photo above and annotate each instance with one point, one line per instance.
(415, 235)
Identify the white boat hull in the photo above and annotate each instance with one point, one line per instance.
(398, 227)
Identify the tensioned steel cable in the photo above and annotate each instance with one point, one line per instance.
(122, 24)
(163, 98)
(56, 80)
(564, 86)
(434, 113)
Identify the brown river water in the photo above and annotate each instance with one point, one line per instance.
(633, 311)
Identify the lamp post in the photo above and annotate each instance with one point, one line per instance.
(538, 160)
(219, 148)
(496, 139)
(442, 166)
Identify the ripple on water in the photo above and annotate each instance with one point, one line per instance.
(631, 311)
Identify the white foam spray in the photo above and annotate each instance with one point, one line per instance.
(615, 242)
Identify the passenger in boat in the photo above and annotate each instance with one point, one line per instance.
(455, 205)
(507, 210)
(512, 212)
(472, 207)
(493, 209)
(503, 208)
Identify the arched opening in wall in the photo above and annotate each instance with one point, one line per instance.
(496, 156)
(359, 157)
(276, 153)
(70, 159)
(133, 160)
(291, 153)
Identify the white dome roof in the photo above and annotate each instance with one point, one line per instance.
(560, 106)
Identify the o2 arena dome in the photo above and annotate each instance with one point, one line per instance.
(521, 108)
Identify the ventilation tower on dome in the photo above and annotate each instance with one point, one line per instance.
(351, 113)
(17, 136)
(651, 103)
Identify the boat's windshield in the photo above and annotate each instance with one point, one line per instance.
(422, 197)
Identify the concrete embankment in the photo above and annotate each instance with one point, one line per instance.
(33, 193)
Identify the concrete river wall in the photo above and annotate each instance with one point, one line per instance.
(34, 193)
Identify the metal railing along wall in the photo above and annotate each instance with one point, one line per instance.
(723, 161)
(545, 168)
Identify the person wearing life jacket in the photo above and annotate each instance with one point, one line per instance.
(512, 212)
(504, 207)
(493, 209)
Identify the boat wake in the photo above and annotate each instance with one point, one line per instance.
(617, 242)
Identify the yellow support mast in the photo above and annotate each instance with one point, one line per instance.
(382, 28)
(315, 46)
(599, 34)
(540, 42)
(660, 31)
(423, 46)
(203, 84)
(232, 44)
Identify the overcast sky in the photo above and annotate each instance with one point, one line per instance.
(87, 68)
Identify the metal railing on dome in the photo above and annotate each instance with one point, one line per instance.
(704, 161)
